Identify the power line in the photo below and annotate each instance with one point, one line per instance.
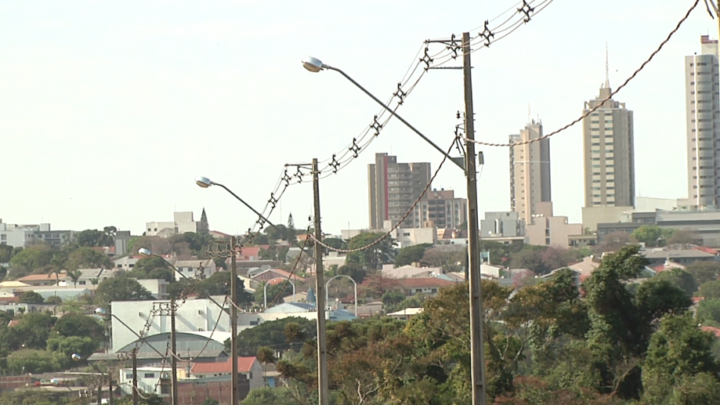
(404, 217)
(292, 273)
(609, 97)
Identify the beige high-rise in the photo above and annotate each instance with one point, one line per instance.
(529, 172)
(703, 128)
(608, 153)
(393, 188)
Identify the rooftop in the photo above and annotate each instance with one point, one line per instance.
(244, 366)
(424, 282)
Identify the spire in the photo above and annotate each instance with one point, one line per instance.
(203, 227)
(607, 68)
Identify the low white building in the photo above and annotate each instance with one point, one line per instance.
(126, 263)
(195, 269)
(182, 222)
(158, 288)
(151, 380)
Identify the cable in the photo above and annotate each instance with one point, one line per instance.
(404, 217)
(287, 281)
(609, 97)
(217, 322)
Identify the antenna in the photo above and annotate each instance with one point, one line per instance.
(607, 68)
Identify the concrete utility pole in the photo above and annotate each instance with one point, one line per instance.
(233, 324)
(323, 386)
(476, 314)
(173, 348)
(135, 396)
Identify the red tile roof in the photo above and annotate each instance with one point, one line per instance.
(13, 322)
(39, 277)
(424, 282)
(711, 329)
(707, 250)
(695, 300)
(244, 366)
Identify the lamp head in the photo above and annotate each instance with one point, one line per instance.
(100, 311)
(76, 357)
(312, 64)
(203, 182)
(145, 252)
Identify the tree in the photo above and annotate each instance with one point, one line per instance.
(121, 288)
(411, 254)
(650, 235)
(57, 264)
(678, 350)
(88, 258)
(615, 241)
(267, 395)
(152, 267)
(34, 257)
(95, 238)
(704, 271)
(281, 334)
(219, 284)
(31, 297)
(74, 276)
(371, 258)
(275, 293)
(78, 325)
(709, 312)
(54, 300)
(69, 345)
(354, 271)
(710, 290)
(6, 252)
(680, 278)
(530, 257)
(32, 331)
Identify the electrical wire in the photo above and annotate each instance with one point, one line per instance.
(608, 98)
(292, 273)
(207, 343)
(404, 217)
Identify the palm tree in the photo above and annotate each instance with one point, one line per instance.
(74, 276)
(56, 264)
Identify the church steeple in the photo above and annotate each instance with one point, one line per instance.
(203, 226)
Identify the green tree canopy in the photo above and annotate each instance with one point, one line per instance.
(680, 278)
(374, 257)
(153, 267)
(32, 331)
(710, 290)
(281, 334)
(704, 271)
(32, 258)
(94, 238)
(88, 258)
(648, 234)
(31, 297)
(79, 325)
(121, 288)
(411, 254)
(6, 252)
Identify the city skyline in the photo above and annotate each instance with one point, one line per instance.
(94, 152)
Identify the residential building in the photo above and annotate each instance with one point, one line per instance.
(441, 209)
(249, 367)
(37, 280)
(150, 380)
(702, 107)
(414, 236)
(303, 310)
(182, 222)
(389, 271)
(158, 288)
(126, 263)
(393, 188)
(608, 152)
(423, 285)
(198, 269)
(683, 257)
(25, 235)
(603, 214)
(502, 224)
(549, 230)
(529, 171)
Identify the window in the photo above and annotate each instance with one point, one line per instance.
(149, 375)
(128, 376)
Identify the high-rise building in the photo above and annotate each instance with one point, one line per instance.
(441, 209)
(529, 171)
(703, 125)
(608, 152)
(393, 188)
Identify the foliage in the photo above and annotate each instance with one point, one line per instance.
(32, 258)
(374, 257)
(680, 278)
(32, 331)
(31, 297)
(450, 258)
(121, 288)
(677, 350)
(275, 293)
(280, 232)
(281, 334)
(352, 270)
(710, 290)
(53, 299)
(153, 268)
(94, 238)
(709, 311)
(650, 235)
(88, 258)
(78, 325)
(267, 395)
(704, 271)
(6, 253)
(615, 241)
(67, 346)
(411, 254)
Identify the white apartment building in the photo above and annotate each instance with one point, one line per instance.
(182, 222)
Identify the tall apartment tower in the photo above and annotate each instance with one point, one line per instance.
(529, 172)
(441, 209)
(703, 124)
(608, 153)
(393, 188)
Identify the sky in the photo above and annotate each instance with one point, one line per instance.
(110, 109)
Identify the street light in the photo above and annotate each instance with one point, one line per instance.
(327, 290)
(204, 182)
(267, 283)
(315, 65)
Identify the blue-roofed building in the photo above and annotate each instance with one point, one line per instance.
(303, 310)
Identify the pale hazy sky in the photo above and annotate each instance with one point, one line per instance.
(109, 109)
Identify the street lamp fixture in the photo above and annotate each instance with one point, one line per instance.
(315, 65)
(204, 182)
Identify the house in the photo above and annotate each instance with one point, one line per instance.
(304, 310)
(126, 263)
(89, 277)
(64, 293)
(423, 285)
(271, 274)
(685, 256)
(405, 314)
(250, 367)
(250, 253)
(158, 288)
(42, 279)
(150, 380)
(195, 269)
(410, 271)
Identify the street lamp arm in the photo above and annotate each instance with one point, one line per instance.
(394, 114)
(245, 204)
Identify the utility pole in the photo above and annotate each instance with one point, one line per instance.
(233, 324)
(476, 322)
(173, 359)
(135, 396)
(110, 388)
(100, 388)
(323, 386)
